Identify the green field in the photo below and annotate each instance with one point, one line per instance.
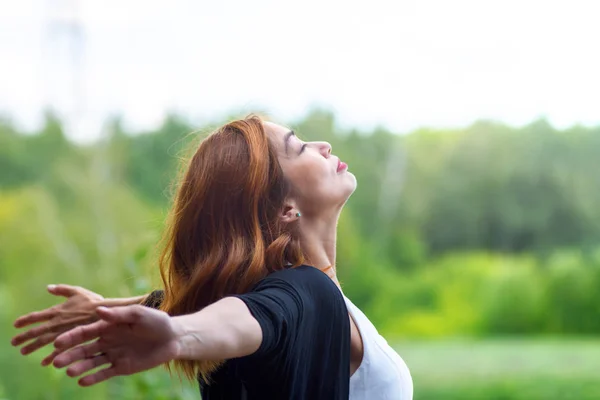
(504, 369)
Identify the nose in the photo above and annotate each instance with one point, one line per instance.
(325, 149)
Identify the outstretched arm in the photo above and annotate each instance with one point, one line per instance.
(79, 308)
(135, 338)
(262, 323)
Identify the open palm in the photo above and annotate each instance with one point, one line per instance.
(129, 339)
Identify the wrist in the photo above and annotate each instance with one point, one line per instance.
(180, 338)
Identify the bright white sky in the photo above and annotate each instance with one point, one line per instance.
(401, 64)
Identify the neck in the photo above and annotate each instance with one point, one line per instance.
(318, 242)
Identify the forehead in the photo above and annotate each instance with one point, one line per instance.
(276, 134)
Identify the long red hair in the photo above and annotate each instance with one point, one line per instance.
(224, 232)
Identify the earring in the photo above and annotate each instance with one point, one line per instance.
(298, 215)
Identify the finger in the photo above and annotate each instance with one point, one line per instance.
(31, 334)
(77, 354)
(63, 290)
(87, 365)
(81, 334)
(122, 315)
(50, 357)
(39, 343)
(98, 377)
(36, 316)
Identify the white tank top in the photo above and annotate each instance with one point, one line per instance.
(382, 374)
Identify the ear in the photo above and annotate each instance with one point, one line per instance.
(290, 213)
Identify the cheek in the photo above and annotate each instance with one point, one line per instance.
(316, 186)
(309, 177)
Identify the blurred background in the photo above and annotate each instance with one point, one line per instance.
(473, 128)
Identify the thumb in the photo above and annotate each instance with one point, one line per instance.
(62, 290)
(121, 315)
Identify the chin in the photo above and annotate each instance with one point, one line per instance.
(353, 181)
(351, 186)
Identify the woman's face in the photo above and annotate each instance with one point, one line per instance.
(320, 182)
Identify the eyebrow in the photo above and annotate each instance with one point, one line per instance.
(286, 140)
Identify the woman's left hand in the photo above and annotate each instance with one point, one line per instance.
(79, 308)
(130, 339)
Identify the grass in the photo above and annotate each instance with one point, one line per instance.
(504, 369)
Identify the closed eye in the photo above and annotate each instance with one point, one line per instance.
(302, 148)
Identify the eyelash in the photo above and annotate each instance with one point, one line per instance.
(302, 148)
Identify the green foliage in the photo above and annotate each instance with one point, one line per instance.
(98, 239)
(482, 232)
(151, 159)
(484, 187)
(482, 294)
(573, 294)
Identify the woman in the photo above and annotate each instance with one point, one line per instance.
(252, 305)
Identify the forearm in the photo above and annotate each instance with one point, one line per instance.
(223, 330)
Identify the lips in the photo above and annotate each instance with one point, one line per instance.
(341, 165)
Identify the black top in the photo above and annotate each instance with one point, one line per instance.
(305, 351)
